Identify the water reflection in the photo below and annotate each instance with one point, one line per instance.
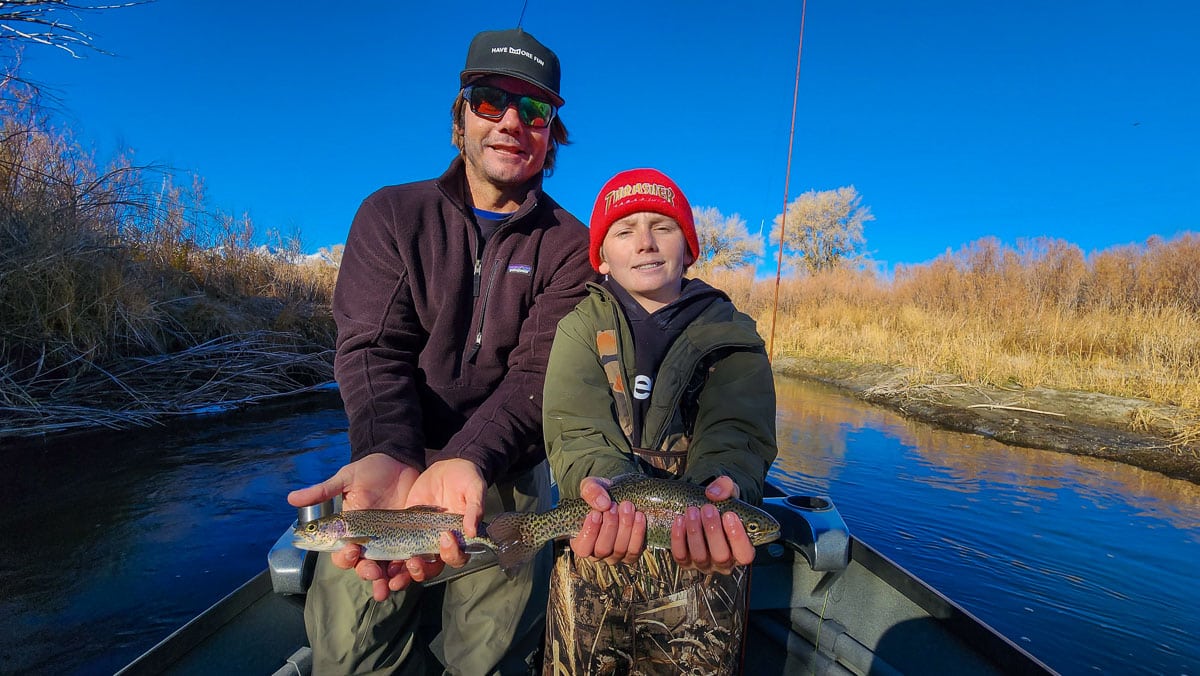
(1085, 562)
(116, 541)
(813, 416)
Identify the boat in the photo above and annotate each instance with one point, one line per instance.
(822, 602)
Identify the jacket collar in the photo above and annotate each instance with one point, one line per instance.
(453, 184)
(691, 289)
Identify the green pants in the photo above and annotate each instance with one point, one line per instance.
(482, 623)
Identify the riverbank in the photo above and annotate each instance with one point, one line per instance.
(129, 300)
(1133, 431)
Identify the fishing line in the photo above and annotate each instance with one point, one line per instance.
(821, 625)
(786, 177)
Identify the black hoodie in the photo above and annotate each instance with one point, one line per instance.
(653, 333)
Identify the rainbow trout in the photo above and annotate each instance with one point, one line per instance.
(518, 536)
(387, 534)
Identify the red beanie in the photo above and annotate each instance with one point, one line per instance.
(637, 190)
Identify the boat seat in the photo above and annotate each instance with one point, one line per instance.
(291, 568)
(820, 535)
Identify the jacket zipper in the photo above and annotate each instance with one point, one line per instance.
(482, 308)
(477, 254)
(477, 342)
(476, 249)
(675, 401)
(662, 433)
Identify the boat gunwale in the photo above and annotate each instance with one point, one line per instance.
(957, 622)
(176, 645)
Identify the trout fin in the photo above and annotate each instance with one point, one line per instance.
(426, 508)
(630, 478)
(513, 549)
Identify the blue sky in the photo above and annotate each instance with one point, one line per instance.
(1071, 119)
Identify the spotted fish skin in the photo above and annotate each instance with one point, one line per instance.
(518, 536)
(386, 534)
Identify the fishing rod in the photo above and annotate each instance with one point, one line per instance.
(522, 17)
(786, 177)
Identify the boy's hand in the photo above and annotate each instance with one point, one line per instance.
(707, 541)
(612, 533)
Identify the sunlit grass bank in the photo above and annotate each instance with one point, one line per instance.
(124, 298)
(1124, 321)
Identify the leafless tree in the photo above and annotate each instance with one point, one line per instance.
(54, 23)
(332, 255)
(724, 241)
(824, 228)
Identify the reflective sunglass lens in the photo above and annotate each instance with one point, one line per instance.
(534, 113)
(491, 102)
(488, 102)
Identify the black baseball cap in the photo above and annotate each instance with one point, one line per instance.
(515, 53)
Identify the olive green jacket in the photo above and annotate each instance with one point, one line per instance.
(714, 396)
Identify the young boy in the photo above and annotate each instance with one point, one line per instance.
(654, 374)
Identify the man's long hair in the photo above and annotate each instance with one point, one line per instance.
(558, 132)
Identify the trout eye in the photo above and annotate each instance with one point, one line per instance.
(310, 528)
(752, 527)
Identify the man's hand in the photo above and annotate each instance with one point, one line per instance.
(377, 481)
(707, 541)
(613, 533)
(457, 486)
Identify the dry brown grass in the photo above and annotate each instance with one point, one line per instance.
(1124, 321)
(99, 267)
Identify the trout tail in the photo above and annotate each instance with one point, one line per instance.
(515, 545)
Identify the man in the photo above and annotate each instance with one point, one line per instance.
(446, 304)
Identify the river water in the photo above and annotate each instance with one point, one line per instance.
(113, 542)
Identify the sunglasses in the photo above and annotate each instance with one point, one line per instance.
(492, 102)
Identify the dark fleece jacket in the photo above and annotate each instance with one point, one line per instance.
(442, 340)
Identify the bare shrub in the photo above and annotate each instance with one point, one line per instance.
(1122, 321)
(1169, 274)
(100, 266)
(1112, 284)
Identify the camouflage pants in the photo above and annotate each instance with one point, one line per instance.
(647, 618)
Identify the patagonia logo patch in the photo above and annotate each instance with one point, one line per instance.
(521, 269)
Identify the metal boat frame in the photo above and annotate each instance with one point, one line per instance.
(822, 602)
